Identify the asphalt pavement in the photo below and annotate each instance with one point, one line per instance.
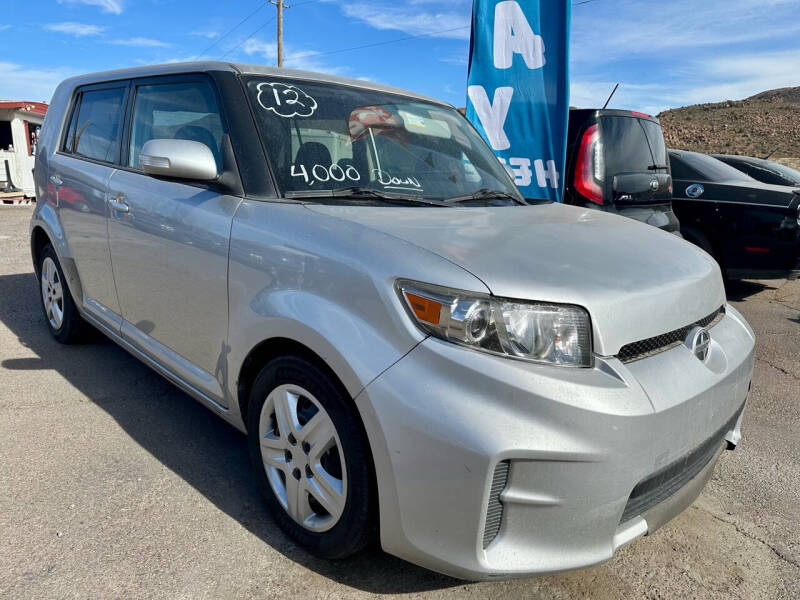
(113, 483)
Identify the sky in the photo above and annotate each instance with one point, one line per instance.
(664, 53)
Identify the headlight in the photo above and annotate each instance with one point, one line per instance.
(549, 333)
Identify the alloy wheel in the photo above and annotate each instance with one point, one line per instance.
(52, 293)
(303, 457)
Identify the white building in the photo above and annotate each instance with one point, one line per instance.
(19, 129)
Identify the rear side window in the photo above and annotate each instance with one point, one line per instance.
(626, 146)
(95, 132)
(768, 175)
(707, 168)
(183, 111)
(680, 170)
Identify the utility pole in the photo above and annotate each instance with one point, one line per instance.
(280, 5)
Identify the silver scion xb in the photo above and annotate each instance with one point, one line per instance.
(346, 273)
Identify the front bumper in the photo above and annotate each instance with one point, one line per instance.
(577, 442)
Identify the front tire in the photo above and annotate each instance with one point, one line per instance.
(310, 458)
(60, 313)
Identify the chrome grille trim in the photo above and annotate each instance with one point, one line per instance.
(494, 509)
(666, 341)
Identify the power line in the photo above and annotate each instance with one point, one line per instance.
(234, 28)
(270, 20)
(363, 46)
(248, 38)
(402, 39)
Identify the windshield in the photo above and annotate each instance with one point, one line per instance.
(323, 137)
(627, 150)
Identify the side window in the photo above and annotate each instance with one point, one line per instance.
(766, 175)
(182, 111)
(98, 125)
(69, 137)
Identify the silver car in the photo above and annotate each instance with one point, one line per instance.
(346, 273)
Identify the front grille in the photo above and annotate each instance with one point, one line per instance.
(666, 341)
(666, 481)
(494, 510)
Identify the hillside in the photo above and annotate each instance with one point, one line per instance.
(756, 126)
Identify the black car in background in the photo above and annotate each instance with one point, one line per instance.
(751, 228)
(617, 162)
(760, 169)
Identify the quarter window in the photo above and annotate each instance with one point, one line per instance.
(95, 133)
(182, 111)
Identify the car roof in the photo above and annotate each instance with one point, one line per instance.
(239, 68)
(737, 157)
(611, 112)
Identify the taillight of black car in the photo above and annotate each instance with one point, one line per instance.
(589, 168)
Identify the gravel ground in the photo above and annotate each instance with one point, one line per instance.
(115, 484)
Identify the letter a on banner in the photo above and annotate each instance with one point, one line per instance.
(518, 88)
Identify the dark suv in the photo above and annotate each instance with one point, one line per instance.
(617, 162)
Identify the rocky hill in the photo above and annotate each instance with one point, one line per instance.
(764, 123)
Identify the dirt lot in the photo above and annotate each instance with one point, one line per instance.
(115, 484)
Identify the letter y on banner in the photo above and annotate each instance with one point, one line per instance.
(518, 88)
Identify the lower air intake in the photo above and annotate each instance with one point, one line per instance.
(494, 509)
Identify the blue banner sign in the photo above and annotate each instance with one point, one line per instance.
(518, 88)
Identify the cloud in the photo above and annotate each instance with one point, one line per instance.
(738, 76)
(4, 27)
(76, 29)
(713, 79)
(634, 28)
(24, 83)
(405, 18)
(206, 33)
(113, 7)
(683, 52)
(293, 57)
(141, 42)
(461, 59)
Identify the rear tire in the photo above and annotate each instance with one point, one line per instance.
(60, 313)
(311, 459)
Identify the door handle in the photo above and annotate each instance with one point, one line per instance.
(118, 204)
(56, 180)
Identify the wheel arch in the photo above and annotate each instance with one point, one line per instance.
(700, 239)
(40, 236)
(39, 239)
(276, 347)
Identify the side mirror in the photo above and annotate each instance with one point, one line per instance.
(181, 159)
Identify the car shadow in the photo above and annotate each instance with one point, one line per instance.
(188, 439)
(741, 289)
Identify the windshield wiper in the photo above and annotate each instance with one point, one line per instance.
(358, 192)
(485, 194)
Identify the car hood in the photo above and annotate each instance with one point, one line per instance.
(635, 280)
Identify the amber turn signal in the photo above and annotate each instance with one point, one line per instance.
(425, 309)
